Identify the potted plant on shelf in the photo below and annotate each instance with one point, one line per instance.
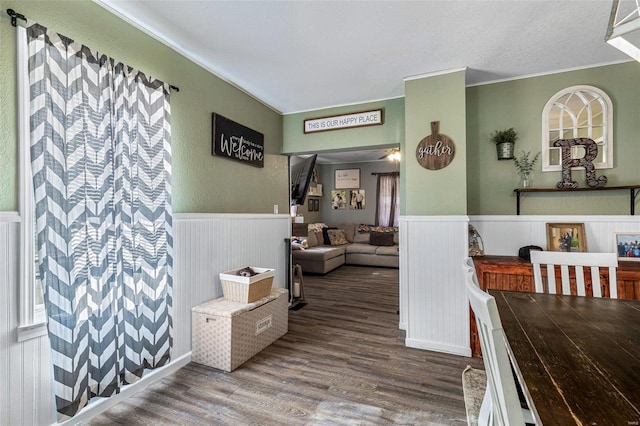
(524, 165)
(505, 141)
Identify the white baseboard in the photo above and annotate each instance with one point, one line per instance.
(9, 217)
(101, 405)
(438, 347)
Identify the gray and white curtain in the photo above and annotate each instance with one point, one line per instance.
(388, 199)
(101, 163)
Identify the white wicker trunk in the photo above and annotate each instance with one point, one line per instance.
(225, 333)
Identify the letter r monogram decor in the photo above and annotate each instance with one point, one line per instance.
(591, 151)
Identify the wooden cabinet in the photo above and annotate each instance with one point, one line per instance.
(516, 274)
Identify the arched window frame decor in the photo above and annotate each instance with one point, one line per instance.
(588, 95)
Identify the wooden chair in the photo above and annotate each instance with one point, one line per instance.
(577, 261)
(501, 405)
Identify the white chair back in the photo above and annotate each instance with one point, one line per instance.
(469, 266)
(501, 405)
(577, 261)
(468, 263)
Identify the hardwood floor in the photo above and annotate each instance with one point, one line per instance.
(343, 362)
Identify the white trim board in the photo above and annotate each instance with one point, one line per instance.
(553, 218)
(213, 216)
(9, 217)
(438, 347)
(440, 218)
(434, 74)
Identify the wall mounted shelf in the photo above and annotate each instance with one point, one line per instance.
(633, 193)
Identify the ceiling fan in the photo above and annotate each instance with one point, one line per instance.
(392, 154)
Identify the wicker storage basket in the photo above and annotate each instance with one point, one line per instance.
(246, 289)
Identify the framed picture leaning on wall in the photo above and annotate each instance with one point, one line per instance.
(627, 245)
(566, 237)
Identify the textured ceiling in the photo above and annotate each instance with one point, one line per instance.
(304, 55)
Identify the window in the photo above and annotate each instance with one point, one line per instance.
(388, 199)
(31, 310)
(577, 112)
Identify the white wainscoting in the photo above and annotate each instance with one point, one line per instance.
(204, 245)
(207, 244)
(433, 303)
(25, 370)
(504, 235)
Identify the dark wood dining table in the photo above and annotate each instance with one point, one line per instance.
(578, 357)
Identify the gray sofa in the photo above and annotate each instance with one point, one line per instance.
(357, 248)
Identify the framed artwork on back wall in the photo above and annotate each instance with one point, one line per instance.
(339, 199)
(566, 237)
(356, 199)
(347, 179)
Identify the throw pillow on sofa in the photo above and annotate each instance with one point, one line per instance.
(325, 235)
(312, 238)
(337, 237)
(362, 228)
(381, 239)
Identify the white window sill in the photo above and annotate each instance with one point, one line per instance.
(32, 331)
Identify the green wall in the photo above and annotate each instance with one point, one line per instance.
(435, 192)
(201, 182)
(519, 104)
(390, 133)
(476, 182)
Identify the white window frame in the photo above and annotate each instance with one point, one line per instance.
(32, 321)
(607, 133)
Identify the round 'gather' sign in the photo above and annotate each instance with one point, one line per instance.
(436, 151)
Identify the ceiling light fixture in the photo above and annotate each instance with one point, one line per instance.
(623, 32)
(394, 156)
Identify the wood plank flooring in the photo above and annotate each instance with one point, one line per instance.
(343, 362)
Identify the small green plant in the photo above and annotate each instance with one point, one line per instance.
(523, 164)
(502, 136)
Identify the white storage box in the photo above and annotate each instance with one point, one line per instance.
(246, 289)
(225, 333)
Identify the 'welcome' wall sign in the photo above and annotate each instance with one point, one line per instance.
(237, 142)
(345, 121)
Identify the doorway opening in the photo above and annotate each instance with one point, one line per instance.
(342, 202)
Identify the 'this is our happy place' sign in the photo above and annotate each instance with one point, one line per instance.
(345, 121)
(237, 142)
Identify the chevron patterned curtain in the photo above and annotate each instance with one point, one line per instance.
(101, 163)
